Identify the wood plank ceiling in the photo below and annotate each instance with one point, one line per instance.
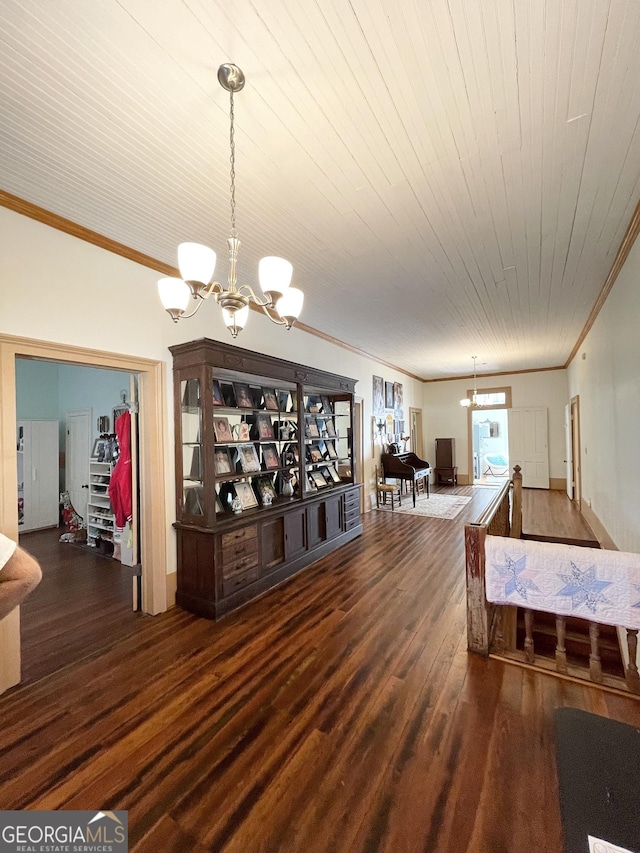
(448, 177)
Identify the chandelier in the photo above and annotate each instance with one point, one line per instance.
(475, 400)
(282, 304)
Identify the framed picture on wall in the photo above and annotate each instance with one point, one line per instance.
(388, 395)
(397, 398)
(378, 395)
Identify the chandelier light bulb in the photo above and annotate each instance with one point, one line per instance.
(196, 262)
(275, 277)
(235, 321)
(289, 305)
(174, 295)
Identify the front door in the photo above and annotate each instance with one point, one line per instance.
(78, 451)
(529, 445)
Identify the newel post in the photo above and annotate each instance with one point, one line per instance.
(477, 607)
(516, 508)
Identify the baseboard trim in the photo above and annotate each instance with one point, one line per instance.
(598, 528)
(172, 588)
(558, 483)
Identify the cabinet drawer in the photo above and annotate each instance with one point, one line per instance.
(239, 551)
(350, 523)
(238, 581)
(241, 563)
(237, 538)
(351, 499)
(239, 543)
(350, 514)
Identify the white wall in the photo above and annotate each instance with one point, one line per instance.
(444, 417)
(607, 380)
(54, 287)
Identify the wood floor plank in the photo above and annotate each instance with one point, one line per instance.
(340, 712)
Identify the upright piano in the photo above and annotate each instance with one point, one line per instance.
(406, 466)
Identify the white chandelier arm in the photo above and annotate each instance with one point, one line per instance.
(207, 290)
(187, 316)
(277, 319)
(249, 291)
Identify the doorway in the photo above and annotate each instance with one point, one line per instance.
(490, 445)
(154, 537)
(415, 431)
(85, 558)
(576, 476)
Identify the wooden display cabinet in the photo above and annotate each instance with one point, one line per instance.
(265, 472)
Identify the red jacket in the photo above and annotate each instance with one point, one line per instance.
(120, 485)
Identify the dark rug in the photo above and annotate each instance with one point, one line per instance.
(598, 763)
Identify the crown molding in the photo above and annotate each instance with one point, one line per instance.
(622, 254)
(60, 223)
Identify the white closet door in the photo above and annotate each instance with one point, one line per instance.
(41, 476)
(529, 445)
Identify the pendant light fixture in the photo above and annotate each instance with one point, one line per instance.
(472, 401)
(282, 303)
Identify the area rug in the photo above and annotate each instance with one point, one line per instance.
(598, 761)
(435, 506)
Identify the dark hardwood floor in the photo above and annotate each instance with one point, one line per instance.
(341, 712)
(82, 605)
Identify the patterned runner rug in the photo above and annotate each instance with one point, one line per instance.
(435, 506)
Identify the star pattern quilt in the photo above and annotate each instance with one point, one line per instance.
(602, 586)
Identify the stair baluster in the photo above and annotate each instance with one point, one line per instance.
(529, 652)
(595, 664)
(561, 651)
(633, 680)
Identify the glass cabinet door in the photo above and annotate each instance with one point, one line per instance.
(256, 449)
(327, 440)
(193, 502)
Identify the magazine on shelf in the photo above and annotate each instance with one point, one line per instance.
(333, 474)
(270, 456)
(264, 427)
(247, 456)
(311, 428)
(264, 487)
(222, 429)
(244, 398)
(246, 494)
(270, 399)
(318, 479)
(218, 399)
(222, 461)
(228, 395)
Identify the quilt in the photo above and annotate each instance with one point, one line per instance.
(602, 586)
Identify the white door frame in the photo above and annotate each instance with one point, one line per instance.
(67, 444)
(568, 441)
(153, 503)
(576, 451)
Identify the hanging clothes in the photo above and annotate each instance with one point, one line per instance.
(120, 485)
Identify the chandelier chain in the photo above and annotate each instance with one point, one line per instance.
(232, 159)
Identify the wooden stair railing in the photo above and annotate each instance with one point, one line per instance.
(491, 628)
(484, 620)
